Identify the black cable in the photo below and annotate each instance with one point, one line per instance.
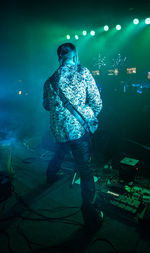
(9, 245)
(53, 218)
(29, 242)
(41, 215)
(104, 240)
(9, 218)
(58, 246)
(50, 220)
(57, 209)
(42, 247)
(25, 238)
(44, 218)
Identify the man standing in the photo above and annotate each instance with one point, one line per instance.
(80, 90)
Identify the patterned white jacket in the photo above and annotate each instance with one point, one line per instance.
(79, 87)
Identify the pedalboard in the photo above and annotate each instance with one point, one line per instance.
(130, 202)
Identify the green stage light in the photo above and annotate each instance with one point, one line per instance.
(135, 21)
(118, 27)
(92, 33)
(76, 37)
(106, 28)
(147, 21)
(68, 37)
(84, 33)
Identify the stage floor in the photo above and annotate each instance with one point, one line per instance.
(42, 218)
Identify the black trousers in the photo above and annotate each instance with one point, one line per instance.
(80, 150)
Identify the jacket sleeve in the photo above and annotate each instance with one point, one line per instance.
(46, 95)
(93, 95)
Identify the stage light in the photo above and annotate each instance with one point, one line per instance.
(68, 37)
(84, 33)
(106, 28)
(20, 92)
(76, 37)
(118, 27)
(135, 21)
(147, 21)
(92, 33)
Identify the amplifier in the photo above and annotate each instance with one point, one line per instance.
(128, 169)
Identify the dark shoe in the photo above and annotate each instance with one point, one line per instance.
(93, 219)
(95, 226)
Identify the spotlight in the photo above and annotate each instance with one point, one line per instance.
(76, 37)
(92, 33)
(68, 37)
(84, 33)
(135, 21)
(118, 27)
(147, 21)
(106, 28)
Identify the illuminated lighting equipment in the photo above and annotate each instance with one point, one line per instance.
(147, 21)
(131, 70)
(116, 72)
(118, 27)
(84, 33)
(76, 37)
(106, 28)
(68, 37)
(112, 72)
(96, 72)
(135, 21)
(92, 33)
(20, 92)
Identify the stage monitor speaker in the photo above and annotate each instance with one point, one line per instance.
(128, 169)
